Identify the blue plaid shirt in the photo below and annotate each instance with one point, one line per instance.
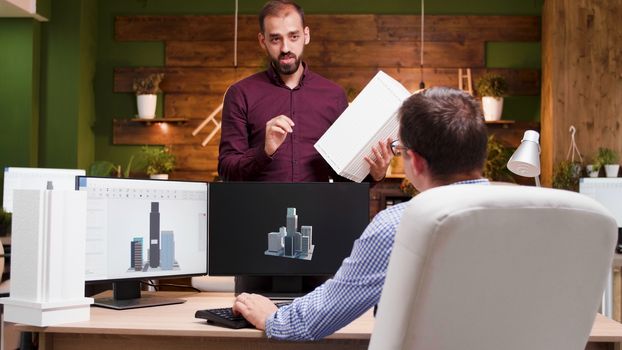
(356, 287)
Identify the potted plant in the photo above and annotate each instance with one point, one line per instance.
(160, 162)
(566, 175)
(607, 158)
(146, 90)
(109, 169)
(491, 87)
(495, 168)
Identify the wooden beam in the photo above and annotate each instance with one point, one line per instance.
(331, 53)
(459, 28)
(126, 132)
(333, 28)
(215, 81)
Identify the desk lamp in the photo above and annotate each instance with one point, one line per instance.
(526, 159)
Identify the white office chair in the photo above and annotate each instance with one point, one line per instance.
(495, 267)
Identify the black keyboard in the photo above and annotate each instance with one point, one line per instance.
(225, 317)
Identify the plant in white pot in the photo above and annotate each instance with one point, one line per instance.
(608, 158)
(160, 162)
(491, 87)
(146, 90)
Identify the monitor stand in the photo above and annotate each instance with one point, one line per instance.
(126, 295)
(278, 287)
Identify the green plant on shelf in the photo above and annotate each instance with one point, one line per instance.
(149, 85)
(491, 84)
(603, 157)
(159, 160)
(106, 168)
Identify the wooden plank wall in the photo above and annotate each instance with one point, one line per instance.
(348, 49)
(582, 75)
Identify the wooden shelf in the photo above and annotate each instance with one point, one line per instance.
(145, 121)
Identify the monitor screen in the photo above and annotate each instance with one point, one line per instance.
(138, 229)
(36, 179)
(284, 229)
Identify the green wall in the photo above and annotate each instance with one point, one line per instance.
(19, 92)
(68, 61)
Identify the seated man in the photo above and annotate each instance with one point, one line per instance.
(443, 142)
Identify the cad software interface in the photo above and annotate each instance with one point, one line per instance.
(284, 228)
(36, 179)
(144, 228)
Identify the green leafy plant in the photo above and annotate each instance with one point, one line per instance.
(566, 175)
(491, 84)
(149, 85)
(5, 222)
(495, 166)
(109, 169)
(158, 160)
(605, 156)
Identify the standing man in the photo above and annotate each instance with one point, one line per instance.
(443, 142)
(272, 119)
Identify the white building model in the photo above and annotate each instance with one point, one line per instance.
(288, 242)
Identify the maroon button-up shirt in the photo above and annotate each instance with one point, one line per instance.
(313, 105)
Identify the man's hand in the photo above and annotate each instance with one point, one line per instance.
(378, 166)
(277, 129)
(255, 308)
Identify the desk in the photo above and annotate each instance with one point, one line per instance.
(174, 327)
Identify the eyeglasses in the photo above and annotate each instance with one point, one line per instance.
(397, 149)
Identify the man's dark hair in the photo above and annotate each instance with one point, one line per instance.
(273, 7)
(445, 126)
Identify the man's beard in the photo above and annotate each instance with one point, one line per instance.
(286, 69)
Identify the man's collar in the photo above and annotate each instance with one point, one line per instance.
(481, 181)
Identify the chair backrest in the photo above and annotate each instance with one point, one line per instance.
(495, 267)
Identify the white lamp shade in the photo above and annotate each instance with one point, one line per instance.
(526, 160)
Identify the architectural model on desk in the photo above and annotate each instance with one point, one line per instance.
(48, 245)
(289, 243)
(373, 117)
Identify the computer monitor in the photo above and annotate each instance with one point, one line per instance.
(36, 179)
(143, 229)
(278, 238)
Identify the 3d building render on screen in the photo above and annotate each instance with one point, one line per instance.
(161, 248)
(289, 243)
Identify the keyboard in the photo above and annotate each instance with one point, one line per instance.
(225, 317)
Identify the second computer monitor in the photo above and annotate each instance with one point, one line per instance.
(284, 229)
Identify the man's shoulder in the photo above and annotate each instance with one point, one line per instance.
(251, 81)
(321, 81)
(391, 215)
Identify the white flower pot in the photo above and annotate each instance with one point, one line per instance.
(493, 107)
(146, 106)
(611, 170)
(159, 177)
(591, 172)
